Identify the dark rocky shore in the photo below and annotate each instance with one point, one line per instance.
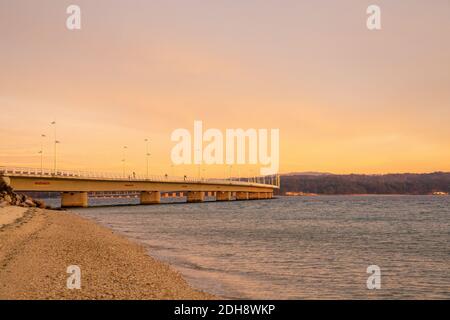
(10, 198)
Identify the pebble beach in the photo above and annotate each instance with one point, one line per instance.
(38, 245)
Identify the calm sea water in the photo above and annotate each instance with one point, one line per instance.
(298, 247)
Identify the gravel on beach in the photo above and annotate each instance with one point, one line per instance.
(37, 248)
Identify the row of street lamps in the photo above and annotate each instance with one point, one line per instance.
(147, 157)
(124, 150)
(55, 143)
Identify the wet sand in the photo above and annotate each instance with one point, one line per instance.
(37, 246)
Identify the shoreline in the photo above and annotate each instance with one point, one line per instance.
(38, 245)
(361, 195)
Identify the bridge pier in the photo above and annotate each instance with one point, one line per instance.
(150, 197)
(195, 196)
(74, 199)
(264, 195)
(241, 195)
(223, 196)
(253, 195)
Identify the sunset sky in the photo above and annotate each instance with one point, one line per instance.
(346, 99)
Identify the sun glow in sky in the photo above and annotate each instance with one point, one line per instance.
(345, 99)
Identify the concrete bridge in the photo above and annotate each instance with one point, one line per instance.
(74, 186)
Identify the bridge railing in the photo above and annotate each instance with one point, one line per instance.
(77, 174)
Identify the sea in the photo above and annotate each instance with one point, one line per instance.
(306, 247)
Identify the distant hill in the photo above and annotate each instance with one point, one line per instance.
(408, 183)
(307, 173)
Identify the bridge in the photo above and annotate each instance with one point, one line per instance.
(74, 186)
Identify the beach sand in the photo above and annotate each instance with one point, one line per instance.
(10, 214)
(37, 246)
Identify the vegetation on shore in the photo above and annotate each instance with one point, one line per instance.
(331, 184)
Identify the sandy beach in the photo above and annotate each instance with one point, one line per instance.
(37, 246)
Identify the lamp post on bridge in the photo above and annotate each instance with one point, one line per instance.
(199, 165)
(123, 160)
(53, 123)
(147, 155)
(41, 152)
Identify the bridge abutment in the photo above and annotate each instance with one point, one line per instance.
(74, 199)
(195, 196)
(150, 197)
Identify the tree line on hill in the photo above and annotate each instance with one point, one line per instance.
(330, 184)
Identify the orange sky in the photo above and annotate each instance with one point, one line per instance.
(344, 98)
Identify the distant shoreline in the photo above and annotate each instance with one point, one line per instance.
(38, 245)
(362, 195)
(361, 184)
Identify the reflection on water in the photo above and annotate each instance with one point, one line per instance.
(298, 247)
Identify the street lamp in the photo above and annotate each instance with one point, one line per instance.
(53, 123)
(124, 159)
(147, 154)
(199, 165)
(41, 152)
